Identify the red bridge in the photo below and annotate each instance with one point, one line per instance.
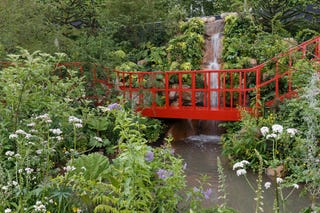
(215, 94)
(207, 94)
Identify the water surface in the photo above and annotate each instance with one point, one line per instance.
(200, 152)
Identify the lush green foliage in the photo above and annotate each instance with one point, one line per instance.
(292, 148)
(53, 144)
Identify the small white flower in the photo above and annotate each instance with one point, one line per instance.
(73, 119)
(264, 130)
(292, 131)
(56, 131)
(59, 138)
(296, 186)
(31, 124)
(39, 151)
(44, 116)
(5, 188)
(245, 162)
(84, 168)
(69, 168)
(98, 139)
(267, 185)
(78, 125)
(237, 165)
(13, 136)
(50, 201)
(20, 131)
(28, 136)
(14, 183)
(17, 155)
(271, 136)
(9, 153)
(277, 128)
(30, 143)
(279, 180)
(7, 210)
(28, 170)
(39, 207)
(19, 171)
(241, 172)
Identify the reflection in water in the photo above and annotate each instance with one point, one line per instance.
(200, 152)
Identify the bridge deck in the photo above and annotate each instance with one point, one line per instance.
(198, 113)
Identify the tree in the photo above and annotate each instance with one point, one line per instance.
(277, 15)
(22, 23)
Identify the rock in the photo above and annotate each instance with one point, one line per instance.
(214, 27)
(279, 171)
(142, 62)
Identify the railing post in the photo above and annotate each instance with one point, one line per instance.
(166, 78)
(258, 85)
(277, 78)
(317, 49)
(193, 88)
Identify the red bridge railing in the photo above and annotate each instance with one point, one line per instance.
(214, 94)
(199, 94)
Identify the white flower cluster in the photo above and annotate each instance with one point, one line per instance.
(39, 207)
(77, 122)
(239, 166)
(267, 185)
(28, 170)
(277, 130)
(20, 132)
(45, 118)
(69, 168)
(9, 153)
(56, 131)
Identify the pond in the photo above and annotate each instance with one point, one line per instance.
(200, 152)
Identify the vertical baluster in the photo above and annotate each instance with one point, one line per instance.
(277, 78)
(167, 89)
(258, 86)
(193, 88)
(180, 90)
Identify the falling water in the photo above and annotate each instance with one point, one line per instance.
(214, 65)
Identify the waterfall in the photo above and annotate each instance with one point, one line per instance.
(214, 65)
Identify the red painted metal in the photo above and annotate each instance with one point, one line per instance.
(235, 88)
(188, 94)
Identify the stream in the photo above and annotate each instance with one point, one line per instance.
(200, 152)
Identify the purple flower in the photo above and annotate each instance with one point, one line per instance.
(163, 174)
(114, 106)
(196, 189)
(172, 151)
(149, 156)
(207, 193)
